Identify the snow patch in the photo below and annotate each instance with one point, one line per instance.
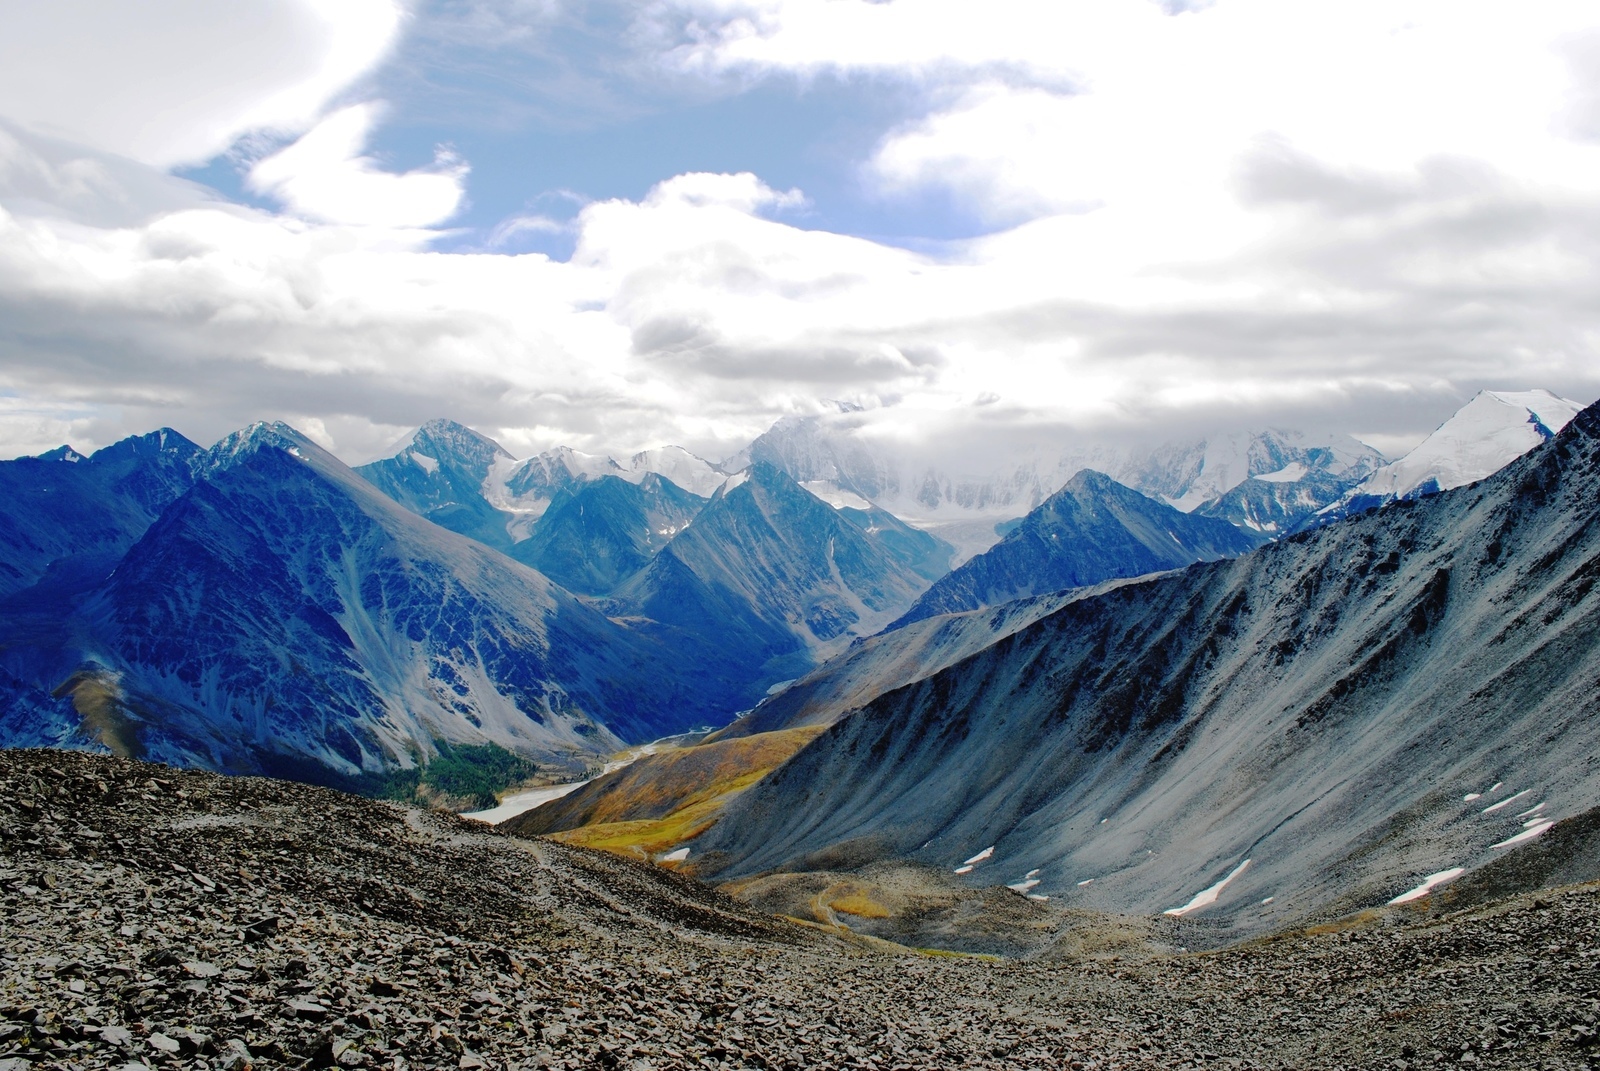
(1526, 835)
(1430, 883)
(1290, 473)
(1470, 796)
(980, 857)
(1493, 807)
(1085, 881)
(430, 465)
(964, 869)
(1023, 886)
(677, 855)
(1207, 897)
(834, 495)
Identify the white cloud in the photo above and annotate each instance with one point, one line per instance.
(1347, 213)
(178, 81)
(324, 176)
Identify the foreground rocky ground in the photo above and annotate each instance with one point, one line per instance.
(172, 919)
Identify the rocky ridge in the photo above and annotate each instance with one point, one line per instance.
(169, 919)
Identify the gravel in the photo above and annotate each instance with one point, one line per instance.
(160, 918)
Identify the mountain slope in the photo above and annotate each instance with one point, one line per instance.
(1480, 439)
(1093, 529)
(1350, 710)
(766, 572)
(65, 519)
(1188, 475)
(440, 473)
(284, 615)
(595, 536)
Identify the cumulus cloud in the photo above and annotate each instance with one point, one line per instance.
(324, 176)
(178, 81)
(1345, 215)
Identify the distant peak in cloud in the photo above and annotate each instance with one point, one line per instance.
(324, 176)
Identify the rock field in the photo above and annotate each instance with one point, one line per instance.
(169, 919)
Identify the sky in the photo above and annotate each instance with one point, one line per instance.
(624, 225)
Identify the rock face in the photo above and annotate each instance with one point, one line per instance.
(1093, 529)
(66, 519)
(600, 532)
(441, 473)
(1350, 711)
(170, 918)
(769, 575)
(284, 615)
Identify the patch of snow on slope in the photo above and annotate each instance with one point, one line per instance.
(1493, 807)
(1290, 473)
(980, 857)
(677, 855)
(1430, 883)
(835, 496)
(430, 465)
(1528, 834)
(1207, 897)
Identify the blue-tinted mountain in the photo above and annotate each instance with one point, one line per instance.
(283, 615)
(1276, 507)
(768, 575)
(440, 473)
(922, 552)
(1304, 731)
(601, 532)
(1093, 529)
(65, 519)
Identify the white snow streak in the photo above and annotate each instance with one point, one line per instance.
(1493, 807)
(1526, 835)
(980, 857)
(1430, 883)
(1207, 897)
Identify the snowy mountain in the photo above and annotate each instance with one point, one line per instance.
(440, 471)
(598, 533)
(769, 575)
(1301, 732)
(1093, 529)
(470, 484)
(283, 615)
(1480, 439)
(1269, 481)
(65, 518)
(1189, 476)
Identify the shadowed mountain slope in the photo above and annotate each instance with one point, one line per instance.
(601, 532)
(65, 519)
(767, 575)
(285, 615)
(1350, 711)
(440, 473)
(1091, 530)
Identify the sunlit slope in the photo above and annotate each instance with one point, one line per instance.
(661, 800)
(1323, 708)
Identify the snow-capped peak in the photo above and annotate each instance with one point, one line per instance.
(1480, 439)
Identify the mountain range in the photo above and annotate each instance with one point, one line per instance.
(260, 606)
(1093, 529)
(1316, 726)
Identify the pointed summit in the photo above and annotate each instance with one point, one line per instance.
(1093, 529)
